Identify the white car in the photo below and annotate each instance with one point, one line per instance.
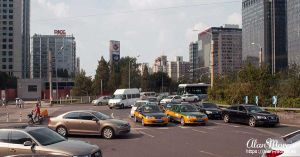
(103, 100)
(291, 149)
(189, 97)
(137, 104)
(172, 98)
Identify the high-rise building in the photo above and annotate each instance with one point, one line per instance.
(179, 69)
(221, 48)
(142, 67)
(293, 31)
(264, 33)
(15, 37)
(63, 52)
(77, 65)
(195, 58)
(160, 64)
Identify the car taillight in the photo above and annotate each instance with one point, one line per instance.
(274, 153)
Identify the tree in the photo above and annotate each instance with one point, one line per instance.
(145, 80)
(82, 84)
(160, 82)
(102, 73)
(7, 81)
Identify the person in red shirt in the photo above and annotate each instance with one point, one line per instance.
(37, 111)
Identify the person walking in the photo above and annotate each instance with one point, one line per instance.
(17, 102)
(3, 102)
(37, 111)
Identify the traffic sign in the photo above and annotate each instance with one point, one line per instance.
(256, 100)
(246, 99)
(274, 100)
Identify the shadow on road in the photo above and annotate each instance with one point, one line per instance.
(122, 137)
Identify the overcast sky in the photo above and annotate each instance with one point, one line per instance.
(149, 28)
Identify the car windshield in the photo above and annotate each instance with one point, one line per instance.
(254, 109)
(46, 136)
(101, 116)
(169, 97)
(188, 108)
(209, 105)
(151, 109)
(140, 103)
(120, 96)
(152, 99)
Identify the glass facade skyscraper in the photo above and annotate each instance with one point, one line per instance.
(293, 31)
(264, 31)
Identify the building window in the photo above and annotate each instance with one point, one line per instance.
(10, 40)
(4, 22)
(3, 66)
(10, 22)
(10, 46)
(11, 16)
(10, 60)
(3, 40)
(10, 66)
(4, 17)
(3, 60)
(10, 53)
(32, 88)
(3, 53)
(10, 28)
(11, 11)
(3, 46)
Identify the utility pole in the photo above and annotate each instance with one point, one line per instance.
(101, 88)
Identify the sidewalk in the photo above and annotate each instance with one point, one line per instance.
(289, 118)
(12, 114)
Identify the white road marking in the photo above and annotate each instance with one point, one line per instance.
(142, 132)
(183, 127)
(199, 131)
(164, 128)
(227, 125)
(208, 153)
(139, 128)
(291, 125)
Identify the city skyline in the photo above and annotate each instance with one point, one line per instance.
(145, 28)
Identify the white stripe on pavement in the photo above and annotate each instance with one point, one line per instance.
(199, 131)
(208, 153)
(227, 124)
(142, 132)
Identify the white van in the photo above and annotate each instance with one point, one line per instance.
(124, 98)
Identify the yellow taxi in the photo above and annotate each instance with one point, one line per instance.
(150, 114)
(186, 113)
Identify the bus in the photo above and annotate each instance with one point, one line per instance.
(199, 89)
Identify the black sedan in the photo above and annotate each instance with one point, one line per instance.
(250, 114)
(211, 110)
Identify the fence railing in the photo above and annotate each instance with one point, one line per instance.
(75, 100)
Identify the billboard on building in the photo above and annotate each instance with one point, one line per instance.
(114, 50)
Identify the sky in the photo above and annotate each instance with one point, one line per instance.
(148, 28)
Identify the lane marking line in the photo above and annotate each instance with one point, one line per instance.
(139, 128)
(227, 125)
(208, 153)
(142, 132)
(165, 128)
(199, 131)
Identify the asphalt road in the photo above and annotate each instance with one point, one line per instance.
(216, 139)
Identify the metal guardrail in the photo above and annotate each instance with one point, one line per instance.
(268, 108)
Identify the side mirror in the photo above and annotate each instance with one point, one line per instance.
(28, 143)
(95, 119)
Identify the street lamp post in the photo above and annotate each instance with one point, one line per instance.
(129, 69)
(260, 53)
(50, 74)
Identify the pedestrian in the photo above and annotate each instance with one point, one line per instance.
(17, 102)
(3, 102)
(37, 111)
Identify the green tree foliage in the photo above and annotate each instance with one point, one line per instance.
(82, 85)
(145, 80)
(160, 82)
(251, 81)
(7, 81)
(102, 73)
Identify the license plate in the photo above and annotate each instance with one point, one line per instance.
(158, 121)
(200, 120)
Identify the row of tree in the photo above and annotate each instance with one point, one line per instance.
(115, 75)
(252, 81)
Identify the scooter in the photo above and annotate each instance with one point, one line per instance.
(32, 120)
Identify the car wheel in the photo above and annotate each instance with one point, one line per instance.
(182, 122)
(226, 118)
(252, 122)
(100, 103)
(195, 100)
(135, 119)
(122, 106)
(183, 99)
(108, 133)
(62, 131)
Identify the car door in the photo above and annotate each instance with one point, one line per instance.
(16, 143)
(87, 124)
(242, 115)
(4, 142)
(177, 113)
(71, 121)
(233, 113)
(139, 113)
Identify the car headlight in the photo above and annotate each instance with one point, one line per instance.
(261, 117)
(208, 112)
(150, 117)
(191, 117)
